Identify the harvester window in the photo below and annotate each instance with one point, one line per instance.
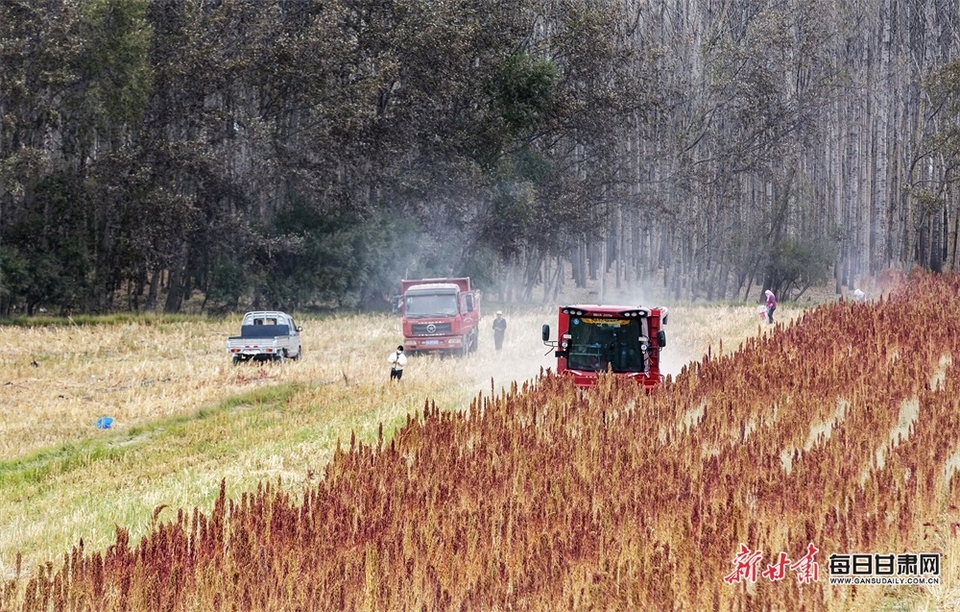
(601, 344)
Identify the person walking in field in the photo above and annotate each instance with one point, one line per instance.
(397, 360)
(771, 305)
(499, 329)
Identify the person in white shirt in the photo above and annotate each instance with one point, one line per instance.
(397, 360)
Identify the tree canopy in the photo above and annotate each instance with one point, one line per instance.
(229, 153)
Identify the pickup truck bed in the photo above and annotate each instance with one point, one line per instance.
(263, 331)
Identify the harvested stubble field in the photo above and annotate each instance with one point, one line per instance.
(186, 418)
(841, 430)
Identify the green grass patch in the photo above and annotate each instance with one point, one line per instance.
(283, 432)
(40, 467)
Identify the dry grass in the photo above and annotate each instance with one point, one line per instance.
(840, 430)
(176, 433)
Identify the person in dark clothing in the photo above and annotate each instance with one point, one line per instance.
(499, 328)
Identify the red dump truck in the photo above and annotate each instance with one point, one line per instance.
(625, 340)
(440, 315)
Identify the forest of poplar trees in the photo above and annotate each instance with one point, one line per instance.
(308, 154)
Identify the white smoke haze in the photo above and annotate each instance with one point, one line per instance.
(524, 354)
(692, 329)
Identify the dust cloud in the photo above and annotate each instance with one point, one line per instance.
(522, 357)
(524, 354)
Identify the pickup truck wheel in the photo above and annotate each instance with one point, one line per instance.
(281, 356)
(236, 360)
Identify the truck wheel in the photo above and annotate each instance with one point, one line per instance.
(236, 360)
(281, 355)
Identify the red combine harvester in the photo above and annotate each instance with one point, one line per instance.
(440, 315)
(625, 340)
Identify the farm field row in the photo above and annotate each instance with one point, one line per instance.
(186, 418)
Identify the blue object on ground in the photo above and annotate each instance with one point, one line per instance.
(104, 422)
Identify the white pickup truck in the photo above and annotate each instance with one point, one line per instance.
(266, 335)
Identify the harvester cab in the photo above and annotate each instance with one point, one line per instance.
(624, 340)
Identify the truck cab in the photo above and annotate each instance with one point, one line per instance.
(623, 340)
(440, 315)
